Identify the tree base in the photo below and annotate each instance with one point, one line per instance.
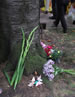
(34, 60)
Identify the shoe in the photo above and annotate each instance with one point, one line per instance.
(74, 22)
(65, 31)
(51, 12)
(54, 25)
(46, 12)
(52, 17)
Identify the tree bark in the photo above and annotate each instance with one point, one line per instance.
(25, 14)
(4, 32)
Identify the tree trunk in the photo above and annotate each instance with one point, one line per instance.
(25, 14)
(4, 32)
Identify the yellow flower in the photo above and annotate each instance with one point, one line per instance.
(50, 56)
(58, 51)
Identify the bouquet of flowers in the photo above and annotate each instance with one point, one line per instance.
(55, 55)
(51, 53)
(51, 70)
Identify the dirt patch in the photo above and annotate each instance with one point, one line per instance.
(22, 89)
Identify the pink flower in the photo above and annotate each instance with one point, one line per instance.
(47, 48)
(43, 45)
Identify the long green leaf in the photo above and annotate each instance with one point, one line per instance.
(20, 68)
(28, 44)
(21, 73)
(31, 33)
(13, 78)
(25, 53)
(20, 59)
(7, 76)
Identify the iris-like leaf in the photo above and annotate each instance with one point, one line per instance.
(20, 67)
(7, 76)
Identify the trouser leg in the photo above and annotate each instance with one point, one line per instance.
(47, 5)
(62, 18)
(56, 22)
(54, 8)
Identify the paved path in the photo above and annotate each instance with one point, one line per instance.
(44, 18)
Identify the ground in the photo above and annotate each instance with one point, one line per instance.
(63, 85)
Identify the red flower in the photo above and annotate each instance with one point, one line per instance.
(48, 50)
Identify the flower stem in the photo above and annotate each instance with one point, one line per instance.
(70, 71)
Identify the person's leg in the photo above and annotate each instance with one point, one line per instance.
(73, 12)
(63, 21)
(54, 8)
(56, 22)
(47, 6)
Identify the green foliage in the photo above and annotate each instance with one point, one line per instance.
(34, 62)
(7, 77)
(20, 67)
(57, 70)
(69, 71)
(55, 55)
